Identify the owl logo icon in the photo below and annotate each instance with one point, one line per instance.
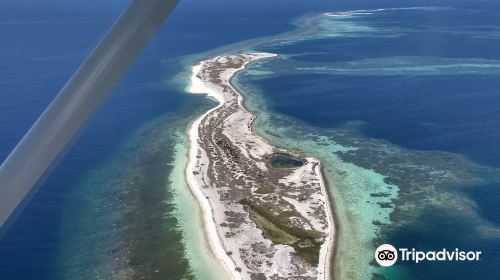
(386, 255)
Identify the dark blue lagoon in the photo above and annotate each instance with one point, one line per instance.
(280, 160)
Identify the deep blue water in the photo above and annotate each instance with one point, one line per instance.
(383, 77)
(449, 113)
(43, 42)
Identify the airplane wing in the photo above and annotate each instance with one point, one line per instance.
(80, 98)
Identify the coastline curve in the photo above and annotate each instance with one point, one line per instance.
(310, 246)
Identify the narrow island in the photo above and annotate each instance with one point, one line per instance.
(266, 210)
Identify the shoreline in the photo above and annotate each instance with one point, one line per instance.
(214, 243)
(327, 257)
(331, 259)
(209, 211)
(334, 273)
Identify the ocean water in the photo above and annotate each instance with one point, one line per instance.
(117, 204)
(401, 106)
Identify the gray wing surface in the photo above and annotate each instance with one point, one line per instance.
(80, 98)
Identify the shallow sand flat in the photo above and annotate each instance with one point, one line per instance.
(261, 222)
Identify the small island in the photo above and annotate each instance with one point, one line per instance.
(266, 210)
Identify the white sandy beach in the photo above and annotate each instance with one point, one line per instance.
(215, 243)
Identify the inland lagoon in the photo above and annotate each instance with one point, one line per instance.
(282, 160)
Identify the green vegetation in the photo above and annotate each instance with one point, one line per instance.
(309, 252)
(265, 190)
(271, 230)
(277, 227)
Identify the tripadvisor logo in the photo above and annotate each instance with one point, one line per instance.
(387, 255)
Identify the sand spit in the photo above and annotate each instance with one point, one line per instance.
(261, 222)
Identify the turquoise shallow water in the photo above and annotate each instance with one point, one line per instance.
(351, 186)
(404, 123)
(399, 109)
(115, 205)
